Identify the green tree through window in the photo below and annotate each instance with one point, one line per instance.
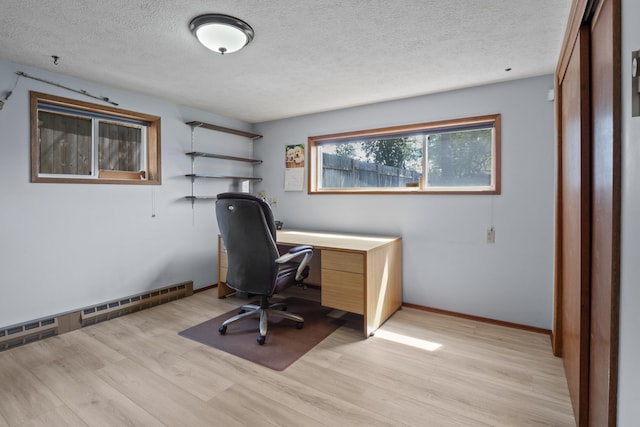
(396, 152)
(459, 158)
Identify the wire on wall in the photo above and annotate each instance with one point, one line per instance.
(153, 202)
(9, 92)
(81, 91)
(491, 219)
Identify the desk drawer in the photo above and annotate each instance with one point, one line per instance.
(343, 281)
(222, 253)
(343, 290)
(223, 260)
(343, 261)
(223, 289)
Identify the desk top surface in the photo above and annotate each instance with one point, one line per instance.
(328, 240)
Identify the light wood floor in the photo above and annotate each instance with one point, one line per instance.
(136, 371)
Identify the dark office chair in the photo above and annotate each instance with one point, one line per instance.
(255, 265)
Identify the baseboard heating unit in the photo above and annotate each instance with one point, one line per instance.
(34, 330)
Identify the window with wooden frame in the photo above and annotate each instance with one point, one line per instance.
(460, 156)
(79, 142)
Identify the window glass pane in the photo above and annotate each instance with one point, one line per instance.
(74, 141)
(119, 147)
(372, 163)
(460, 159)
(449, 156)
(65, 144)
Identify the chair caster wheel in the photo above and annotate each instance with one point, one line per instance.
(261, 340)
(222, 329)
(299, 325)
(284, 308)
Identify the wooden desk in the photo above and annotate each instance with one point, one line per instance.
(360, 274)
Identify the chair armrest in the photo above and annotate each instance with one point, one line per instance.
(295, 252)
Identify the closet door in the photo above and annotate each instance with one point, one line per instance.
(588, 210)
(605, 219)
(572, 315)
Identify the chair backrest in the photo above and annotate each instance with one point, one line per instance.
(249, 234)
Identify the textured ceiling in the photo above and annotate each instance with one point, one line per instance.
(307, 56)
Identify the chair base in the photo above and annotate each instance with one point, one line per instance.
(264, 310)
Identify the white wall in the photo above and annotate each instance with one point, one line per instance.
(67, 246)
(629, 370)
(447, 262)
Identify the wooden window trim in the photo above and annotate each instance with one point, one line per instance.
(153, 173)
(121, 175)
(495, 119)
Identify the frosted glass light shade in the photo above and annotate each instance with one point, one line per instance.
(221, 33)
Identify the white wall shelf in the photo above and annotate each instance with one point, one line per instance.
(216, 176)
(223, 157)
(193, 154)
(196, 124)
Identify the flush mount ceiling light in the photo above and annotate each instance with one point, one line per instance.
(221, 33)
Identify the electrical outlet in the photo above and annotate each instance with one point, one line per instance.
(491, 235)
